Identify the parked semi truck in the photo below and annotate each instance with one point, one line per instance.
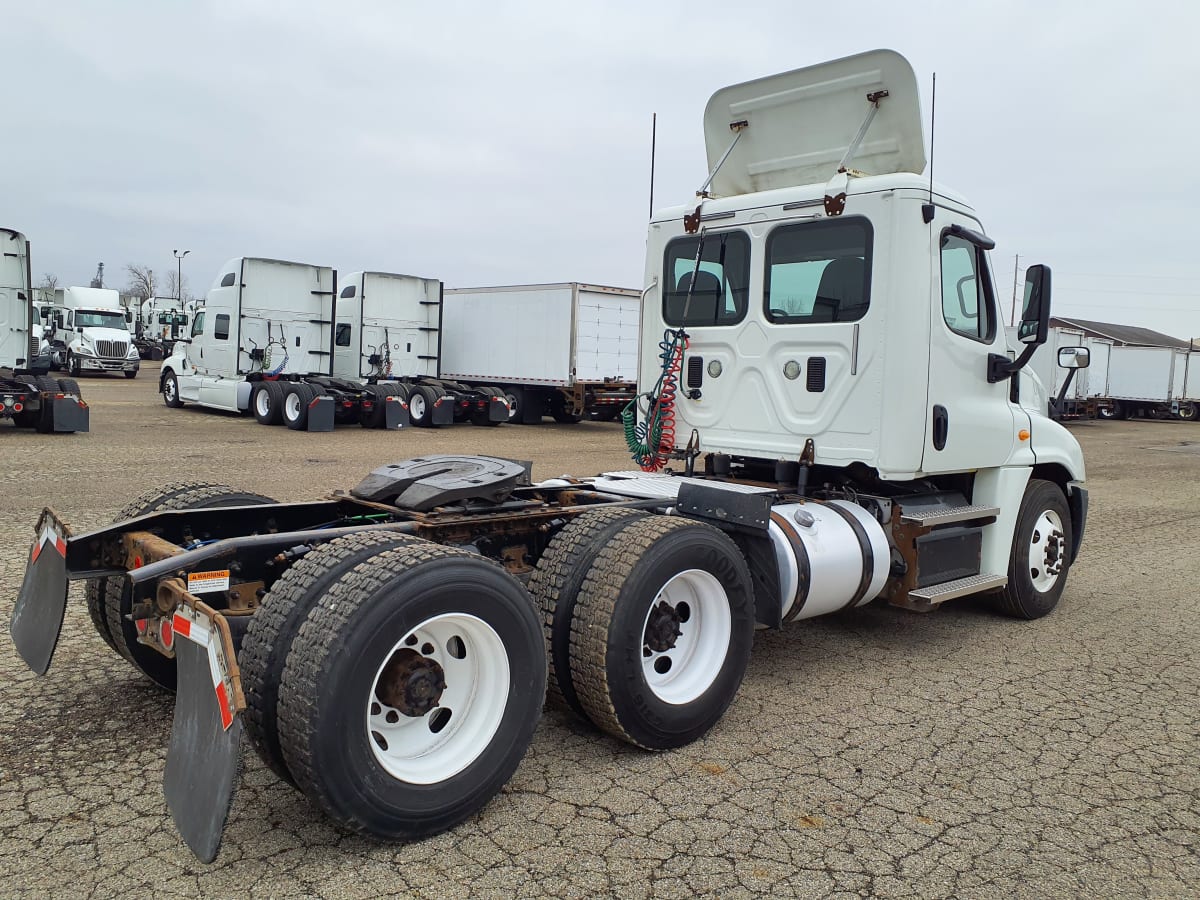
(561, 350)
(91, 333)
(29, 396)
(160, 322)
(829, 415)
(390, 334)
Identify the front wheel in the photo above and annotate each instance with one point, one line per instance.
(170, 391)
(661, 632)
(412, 691)
(1041, 552)
(131, 373)
(73, 367)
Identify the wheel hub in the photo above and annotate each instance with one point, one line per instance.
(411, 683)
(662, 628)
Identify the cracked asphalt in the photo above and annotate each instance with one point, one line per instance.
(874, 753)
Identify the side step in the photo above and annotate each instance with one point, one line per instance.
(960, 587)
(948, 515)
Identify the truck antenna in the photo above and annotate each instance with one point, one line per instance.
(927, 208)
(653, 137)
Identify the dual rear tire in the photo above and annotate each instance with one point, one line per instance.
(648, 624)
(396, 682)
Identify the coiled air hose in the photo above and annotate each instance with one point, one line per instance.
(652, 441)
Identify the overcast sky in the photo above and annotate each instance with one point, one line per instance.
(504, 143)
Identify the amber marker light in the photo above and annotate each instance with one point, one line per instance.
(1023, 434)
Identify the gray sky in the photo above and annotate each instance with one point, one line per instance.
(505, 142)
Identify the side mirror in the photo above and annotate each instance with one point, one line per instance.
(1074, 357)
(1035, 311)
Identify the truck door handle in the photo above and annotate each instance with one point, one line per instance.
(941, 427)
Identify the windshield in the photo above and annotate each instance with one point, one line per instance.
(100, 318)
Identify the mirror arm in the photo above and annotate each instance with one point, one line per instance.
(1001, 367)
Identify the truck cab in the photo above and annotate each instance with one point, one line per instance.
(840, 310)
(94, 332)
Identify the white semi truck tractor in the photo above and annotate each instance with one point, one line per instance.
(830, 416)
(29, 396)
(91, 333)
(390, 335)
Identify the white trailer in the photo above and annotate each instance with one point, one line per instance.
(264, 342)
(389, 333)
(1148, 382)
(564, 350)
(844, 424)
(1082, 385)
(29, 397)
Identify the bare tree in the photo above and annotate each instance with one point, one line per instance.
(142, 281)
(49, 282)
(172, 289)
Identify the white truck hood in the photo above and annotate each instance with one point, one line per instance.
(800, 123)
(95, 333)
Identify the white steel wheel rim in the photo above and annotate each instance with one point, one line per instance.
(1047, 551)
(262, 402)
(416, 405)
(687, 669)
(291, 406)
(169, 388)
(512, 405)
(469, 710)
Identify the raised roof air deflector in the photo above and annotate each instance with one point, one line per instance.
(800, 124)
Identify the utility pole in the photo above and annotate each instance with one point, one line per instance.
(1012, 318)
(179, 273)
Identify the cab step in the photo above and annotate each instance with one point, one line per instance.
(959, 587)
(947, 515)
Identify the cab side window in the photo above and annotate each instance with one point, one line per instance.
(967, 301)
(221, 328)
(342, 336)
(198, 325)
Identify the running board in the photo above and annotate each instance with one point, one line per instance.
(960, 587)
(948, 515)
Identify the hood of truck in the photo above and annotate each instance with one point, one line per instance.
(93, 333)
(799, 124)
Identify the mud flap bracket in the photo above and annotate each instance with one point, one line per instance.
(42, 600)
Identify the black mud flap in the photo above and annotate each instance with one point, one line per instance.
(497, 410)
(320, 414)
(203, 758)
(70, 415)
(38, 614)
(442, 412)
(395, 413)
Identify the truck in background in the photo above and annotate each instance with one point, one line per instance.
(390, 334)
(1071, 388)
(562, 350)
(29, 396)
(160, 322)
(90, 333)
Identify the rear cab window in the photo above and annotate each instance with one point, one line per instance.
(721, 292)
(818, 272)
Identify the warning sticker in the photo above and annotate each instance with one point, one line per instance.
(208, 582)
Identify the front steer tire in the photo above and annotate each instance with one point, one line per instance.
(1039, 562)
(657, 575)
(331, 691)
(113, 596)
(275, 624)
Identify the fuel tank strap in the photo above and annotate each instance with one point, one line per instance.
(868, 555)
(802, 563)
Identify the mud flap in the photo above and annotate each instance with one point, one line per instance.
(38, 614)
(498, 410)
(320, 414)
(395, 413)
(70, 415)
(442, 412)
(203, 758)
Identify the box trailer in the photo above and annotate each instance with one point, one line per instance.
(1148, 382)
(564, 350)
(1082, 385)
